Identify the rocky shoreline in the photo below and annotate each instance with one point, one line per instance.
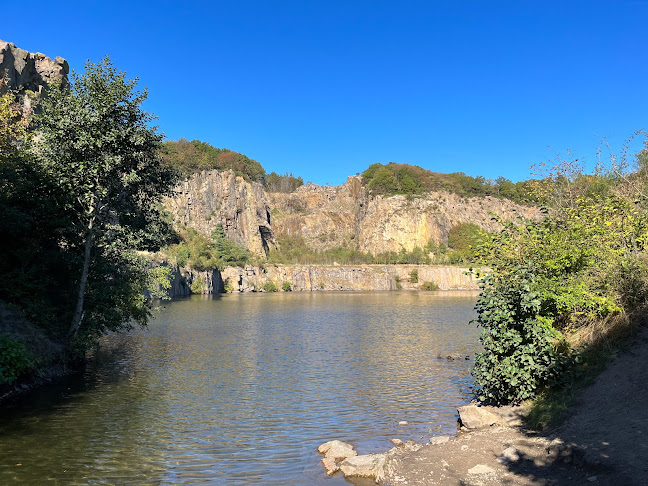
(602, 442)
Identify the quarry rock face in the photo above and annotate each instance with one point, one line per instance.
(24, 70)
(211, 197)
(327, 217)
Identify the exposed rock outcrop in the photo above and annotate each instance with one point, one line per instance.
(346, 215)
(24, 70)
(211, 197)
(337, 277)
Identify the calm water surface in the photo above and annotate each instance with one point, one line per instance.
(241, 389)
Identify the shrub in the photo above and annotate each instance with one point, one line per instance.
(397, 279)
(286, 287)
(429, 286)
(14, 359)
(414, 278)
(522, 350)
(197, 286)
(228, 286)
(269, 286)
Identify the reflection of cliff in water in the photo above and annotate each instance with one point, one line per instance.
(246, 387)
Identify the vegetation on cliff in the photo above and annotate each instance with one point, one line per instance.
(201, 252)
(189, 157)
(463, 240)
(77, 204)
(575, 277)
(392, 178)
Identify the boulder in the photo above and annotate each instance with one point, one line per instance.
(473, 417)
(366, 466)
(337, 450)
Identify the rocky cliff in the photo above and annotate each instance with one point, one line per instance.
(328, 217)
(24, 70)
(346, 216)
(211, 197)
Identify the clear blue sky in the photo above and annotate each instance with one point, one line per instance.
(325, 88)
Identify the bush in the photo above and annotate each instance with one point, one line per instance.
(522, 350)
(269, 286)
(414, 276)
(429, 286)
(197, 286)
(14, 359)
(286, 287)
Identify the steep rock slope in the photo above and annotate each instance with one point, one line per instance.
(211, 197)
(31, 71)
(346, 216)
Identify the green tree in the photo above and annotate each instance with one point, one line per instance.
(98, 146)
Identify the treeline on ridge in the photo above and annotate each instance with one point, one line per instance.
(191, 157)
(392, 178)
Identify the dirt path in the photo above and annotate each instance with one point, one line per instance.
(603, 442)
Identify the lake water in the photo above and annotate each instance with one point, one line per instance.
(241, 389)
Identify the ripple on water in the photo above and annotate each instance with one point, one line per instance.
(243, 388)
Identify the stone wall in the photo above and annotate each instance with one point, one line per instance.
(350, 278)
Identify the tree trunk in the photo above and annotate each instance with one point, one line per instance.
(78, 313)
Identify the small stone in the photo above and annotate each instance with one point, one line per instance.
(481, 469)
(592, 478)
(464, 447)
(403, 422)
(508, 455)
(397, 442)
(439, 440)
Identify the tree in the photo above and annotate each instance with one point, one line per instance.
(98, 146)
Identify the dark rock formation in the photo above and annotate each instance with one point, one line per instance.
(26, 71)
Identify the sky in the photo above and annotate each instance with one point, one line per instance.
(323, 89)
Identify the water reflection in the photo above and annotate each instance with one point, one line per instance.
(242, 389)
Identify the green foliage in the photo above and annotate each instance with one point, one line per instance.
(412, 180)
(203, 253)
(197, 286)
(295, 250)
(429, 286)
(414, 276)
(463, 238)
(282, 183)
(579, 271)
(228, 286)
(417, 256)
(286, 287)
(269, 286)
(230, 253)
(397, 279)
(195, 156)
(159, 282)
(522, 350)
(78, 203)
(14, 359)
